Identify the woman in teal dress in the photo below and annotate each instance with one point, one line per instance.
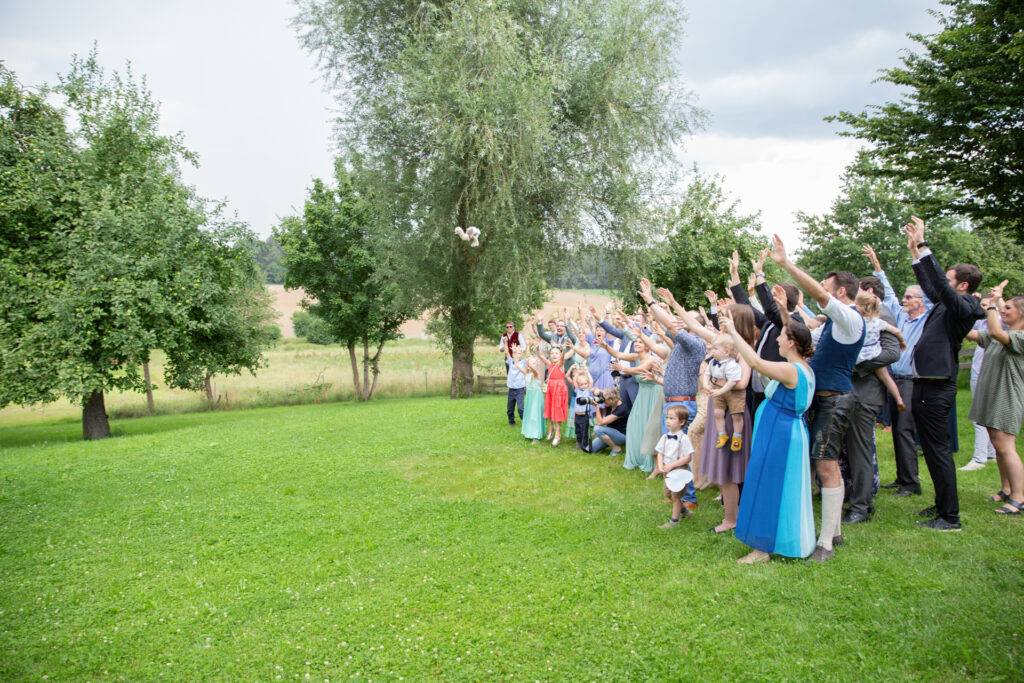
(648, 399)
(775, 514)
(533, 406)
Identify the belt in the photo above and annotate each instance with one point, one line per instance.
(828, 392)
(895, 376)
(676, 399)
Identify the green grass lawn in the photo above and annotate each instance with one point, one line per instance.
(423, 539)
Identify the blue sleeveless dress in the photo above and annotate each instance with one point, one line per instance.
(775, 514)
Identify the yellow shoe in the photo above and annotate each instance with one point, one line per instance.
(722, 440)
(737, 443)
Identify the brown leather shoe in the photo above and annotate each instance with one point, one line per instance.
(821, 554)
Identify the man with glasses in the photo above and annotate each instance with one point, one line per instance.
(509, 339)
(910, 314)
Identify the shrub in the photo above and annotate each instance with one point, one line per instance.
(314, 329)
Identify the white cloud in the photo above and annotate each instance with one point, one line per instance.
(775, 176)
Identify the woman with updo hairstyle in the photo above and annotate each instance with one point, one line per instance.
(775, 513)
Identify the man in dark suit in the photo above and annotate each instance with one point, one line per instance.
(869, 396)
(936, 365)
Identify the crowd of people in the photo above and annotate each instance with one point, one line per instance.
(772, 403)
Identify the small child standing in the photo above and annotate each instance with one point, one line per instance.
(721, 377)
(867, 305)
(674, 450)
(556, 399)
(533, 410)
(584, 408)
(515, 382)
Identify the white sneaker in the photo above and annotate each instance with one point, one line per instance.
(972, 465)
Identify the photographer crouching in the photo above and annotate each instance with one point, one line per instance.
(610, 422)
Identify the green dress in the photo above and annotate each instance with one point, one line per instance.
(533, 408)
(648, 399)
(998, 399)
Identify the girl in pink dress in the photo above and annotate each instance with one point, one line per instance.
(556, 401)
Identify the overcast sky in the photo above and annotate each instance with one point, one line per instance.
(232, 77)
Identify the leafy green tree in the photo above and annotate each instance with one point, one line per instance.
(332, 253)
(105, 254)
(270, 258)
(961, 120)
(702, 229)
(528, 119)
(871, 210)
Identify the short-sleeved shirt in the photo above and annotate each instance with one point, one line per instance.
(621, 414)
(727, 369)
(673, 447)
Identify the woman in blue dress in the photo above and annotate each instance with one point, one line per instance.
(775, 514)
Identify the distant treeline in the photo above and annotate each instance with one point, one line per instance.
(268, 256)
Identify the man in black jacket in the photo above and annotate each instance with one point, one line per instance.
(869, 396)
(936, 365)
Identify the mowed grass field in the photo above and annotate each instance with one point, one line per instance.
(422, 539)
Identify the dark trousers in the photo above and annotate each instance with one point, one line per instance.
(860, 453)
(515, 398)
(933, 399)
(582, 425)
(904, 441)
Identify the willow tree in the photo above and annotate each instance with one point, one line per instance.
(529, 119)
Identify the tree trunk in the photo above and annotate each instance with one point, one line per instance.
(355, 370)
(366, 369)
(94, 418)
(149, 388)
(209, 389)
(462, 369)
(376, 370)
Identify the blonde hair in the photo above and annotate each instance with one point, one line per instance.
(724, 341)
(867, 304)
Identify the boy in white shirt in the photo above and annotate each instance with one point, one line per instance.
(674, 450)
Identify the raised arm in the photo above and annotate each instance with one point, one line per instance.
(631, 357)
(802, 279)
(927, 268)
(652, 344)
(688, 318)
(993, 304)
(542, 333)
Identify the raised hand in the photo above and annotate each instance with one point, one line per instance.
(758, 263)
(997, 291)
(645, 289)
(779, 294)
(778, 250)
(725, 320)
(665, 295)
(915, 228)
(734, 263)
(872, 256)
